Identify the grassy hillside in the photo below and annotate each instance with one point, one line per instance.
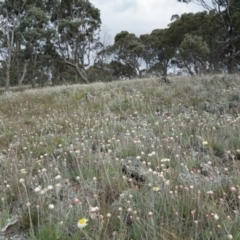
(136, 159)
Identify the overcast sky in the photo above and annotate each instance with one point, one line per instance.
(139, 16)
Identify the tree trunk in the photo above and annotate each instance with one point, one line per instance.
(195, 64)
(230, 60)
(8, 68)
(165, 68)
(80, 73)
(188, 68)
(34, 71)
(10, 40)
(20, 80)
(230, 47)
(139, 72)
(18, 60)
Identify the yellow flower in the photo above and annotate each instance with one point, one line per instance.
(205, 142)
(23, 170)
(165, 160)
(82, 223)
(155, 189)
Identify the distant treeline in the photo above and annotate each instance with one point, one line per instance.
(59, 42)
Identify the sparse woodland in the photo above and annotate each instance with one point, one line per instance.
(61, 42)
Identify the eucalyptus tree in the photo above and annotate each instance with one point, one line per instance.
(103, 47)
(150, 43)
(166, 50)
(210, 31)
(77, 23)
(34, 32)
(121, 70)
(158, 51)
(187, 23)
(227, 12)
(201, 24)
(193, 54)
(11, 13)
(128, 50)
(22, 27)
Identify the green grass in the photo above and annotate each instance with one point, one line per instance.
(70, 147)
